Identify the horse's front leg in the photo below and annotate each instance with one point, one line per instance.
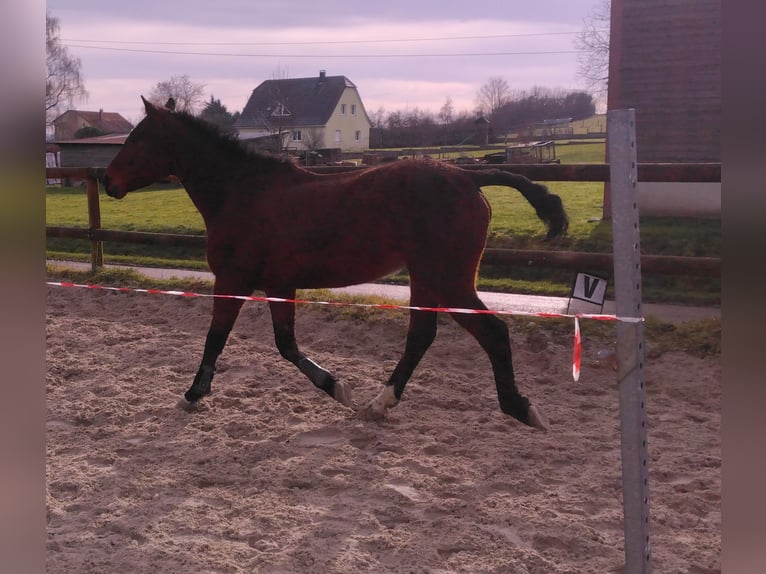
(225, 312)
(420, 335)
(283, 319)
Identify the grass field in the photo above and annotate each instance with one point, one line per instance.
(156, 209)
(168, 209)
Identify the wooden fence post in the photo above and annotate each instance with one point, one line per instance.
(94, 222)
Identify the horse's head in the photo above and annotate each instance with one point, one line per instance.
(144, 157)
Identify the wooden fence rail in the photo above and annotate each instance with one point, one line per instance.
(650, 264)
(647, 172)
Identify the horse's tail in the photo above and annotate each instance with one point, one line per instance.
(547, 205)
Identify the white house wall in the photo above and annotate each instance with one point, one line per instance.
(348, 124)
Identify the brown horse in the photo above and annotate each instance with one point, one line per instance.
(275, 227)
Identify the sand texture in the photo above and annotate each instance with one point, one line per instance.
(270, 475)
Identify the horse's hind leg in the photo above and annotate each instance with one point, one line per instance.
(283, 319)
(225, 313)
(492, 334)
(420, 335)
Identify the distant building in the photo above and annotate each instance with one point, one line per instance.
(321, 112)
(67, 124)
(89, 152)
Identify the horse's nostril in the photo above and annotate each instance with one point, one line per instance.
(110, 188)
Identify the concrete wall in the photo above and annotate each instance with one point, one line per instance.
(679, 199)
(665, 62)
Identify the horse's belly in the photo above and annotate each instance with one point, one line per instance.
(325, 266)
(344, 269)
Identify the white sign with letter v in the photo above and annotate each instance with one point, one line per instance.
(589, 288)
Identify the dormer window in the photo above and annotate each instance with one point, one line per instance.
(280, 110)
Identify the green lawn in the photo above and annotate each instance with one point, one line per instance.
(578, 151)
(157, 209)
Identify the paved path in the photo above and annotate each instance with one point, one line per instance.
(497, 301)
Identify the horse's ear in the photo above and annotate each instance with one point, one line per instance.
(148, 106)
(171, 104)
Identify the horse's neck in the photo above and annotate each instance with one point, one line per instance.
(204, 173)
(208, 176)
(197, 161)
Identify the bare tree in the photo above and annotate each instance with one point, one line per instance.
(188, 95)
(278, 117)
(63, 81)
(377, 118)
(417, 117)
(493, 95)
(447, 111)
(395, 119)
(313, 138)
(593, 46)
(280, 73)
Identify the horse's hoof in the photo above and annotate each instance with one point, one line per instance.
(195, 393)
(371, 414)
(342, 394)
(536, 419)
(187, 406)
(520, 408)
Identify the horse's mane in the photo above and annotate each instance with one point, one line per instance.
(231, 143)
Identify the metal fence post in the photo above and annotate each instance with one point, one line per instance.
(630, 341)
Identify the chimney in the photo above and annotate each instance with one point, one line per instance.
(322, 74)
(100, 114)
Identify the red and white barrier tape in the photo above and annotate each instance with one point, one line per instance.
(577, 341)
(577, 351)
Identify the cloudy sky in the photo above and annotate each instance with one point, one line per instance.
(401, 54)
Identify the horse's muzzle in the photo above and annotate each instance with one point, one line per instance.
(112, 190)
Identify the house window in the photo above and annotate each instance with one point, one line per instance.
(357, 136)
(280, 110)
(337, 136)
(296, 135)
(353, 109)
(343, 109)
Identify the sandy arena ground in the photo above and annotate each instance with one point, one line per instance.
(270, 475)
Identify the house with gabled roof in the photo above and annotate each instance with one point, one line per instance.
(67, 124)
(320, 112)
